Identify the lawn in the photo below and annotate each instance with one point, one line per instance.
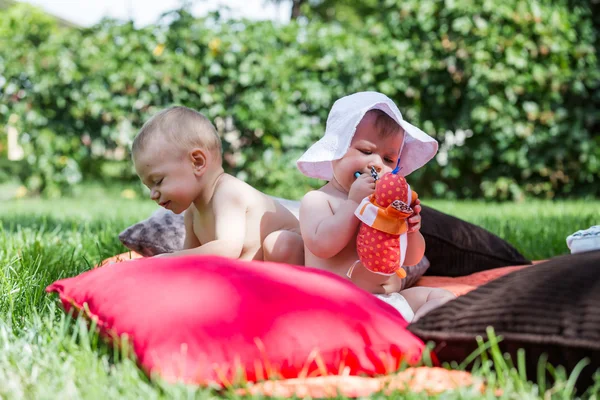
(44, 354)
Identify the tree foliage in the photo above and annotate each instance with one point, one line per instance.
(509, 88)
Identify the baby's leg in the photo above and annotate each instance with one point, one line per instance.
(284, 247)
(424, 299)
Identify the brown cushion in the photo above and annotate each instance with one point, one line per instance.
(552, 307)
(455, 247)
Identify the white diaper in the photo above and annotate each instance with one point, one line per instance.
(584, 240)
(398, 301)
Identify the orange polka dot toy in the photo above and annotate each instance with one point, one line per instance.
(382, 237)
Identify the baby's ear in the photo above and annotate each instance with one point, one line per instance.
(198, 158)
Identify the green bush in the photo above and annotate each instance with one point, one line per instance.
(520, 77)
(509, 88)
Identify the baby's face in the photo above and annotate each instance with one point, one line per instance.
(368, 148)
(167, 172)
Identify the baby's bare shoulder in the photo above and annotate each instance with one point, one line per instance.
(315, 203)
(316, 196)
(233, 191)
(231, 187)
(228, 182)
(322, 197)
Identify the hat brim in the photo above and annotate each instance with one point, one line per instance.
(417, 150)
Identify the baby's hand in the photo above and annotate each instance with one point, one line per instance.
(362, 187)
(414, 221)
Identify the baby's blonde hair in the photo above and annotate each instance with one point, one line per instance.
(181, 126)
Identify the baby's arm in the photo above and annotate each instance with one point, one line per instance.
(415, 248)
(230, 228)
(325, 234)
(191, 240)
(415, 242)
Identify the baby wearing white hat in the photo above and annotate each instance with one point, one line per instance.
(365, 131)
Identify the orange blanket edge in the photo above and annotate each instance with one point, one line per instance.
(461, 285)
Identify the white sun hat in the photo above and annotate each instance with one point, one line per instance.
(346, 113)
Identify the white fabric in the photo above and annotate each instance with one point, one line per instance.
(346, 113)
(351, 269)
(369, 214)
(403, 245)
(398, 301)
(584, 240)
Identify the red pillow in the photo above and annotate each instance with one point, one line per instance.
(205, 319)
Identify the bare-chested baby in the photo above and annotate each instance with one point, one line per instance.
(364, 131)
(178, 155)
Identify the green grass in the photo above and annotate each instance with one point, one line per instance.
(46, 354)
